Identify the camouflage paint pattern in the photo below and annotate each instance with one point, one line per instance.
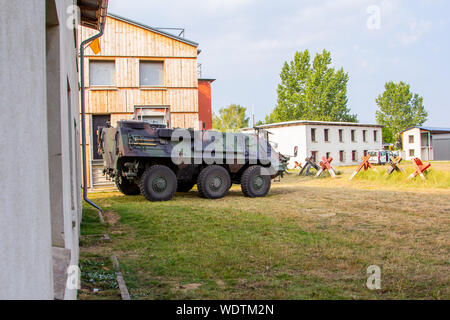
(144, 144)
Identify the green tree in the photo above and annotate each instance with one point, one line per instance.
(399, 109)
(230, 118)
(312, 91)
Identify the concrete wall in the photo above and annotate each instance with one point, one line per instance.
(25, 233)
(39, 126)
(67, 206)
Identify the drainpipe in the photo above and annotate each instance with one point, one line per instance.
(83, 116)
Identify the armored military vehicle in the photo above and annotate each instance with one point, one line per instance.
(158, 162)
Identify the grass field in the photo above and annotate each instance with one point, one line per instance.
(309, 239)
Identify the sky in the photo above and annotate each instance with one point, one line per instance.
(245, 43)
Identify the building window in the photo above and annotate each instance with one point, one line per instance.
(102, 73)
(341, 135)
(326, 133)
(313, 135)
(328, 155)
(353, 135)
(151, 73)
(375, 135)
(365, 153)
(354, 155)
(411, 139)
(153, 114)
(342, 156)
(314, 156)
(412, 153)
(365, 135)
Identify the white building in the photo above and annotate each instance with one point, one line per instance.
(426, 143)
(40, 189)
(345, 142)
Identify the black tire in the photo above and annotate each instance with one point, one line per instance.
(158, 183)
(213, 182)
(127, 187)
(185, 186)
(254, 184)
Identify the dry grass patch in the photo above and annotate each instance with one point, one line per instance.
(310, 238)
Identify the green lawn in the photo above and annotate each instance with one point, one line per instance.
(309, 239)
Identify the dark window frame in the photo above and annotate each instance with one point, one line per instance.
(313, 135)
(342, 155)
(341, 135)
(354, 155)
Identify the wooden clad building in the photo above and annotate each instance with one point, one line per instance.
(140, 71)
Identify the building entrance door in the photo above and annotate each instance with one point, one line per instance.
(98, 121)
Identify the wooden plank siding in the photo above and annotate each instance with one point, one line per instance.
(178, 73)
(123, 39)
(123, 101)
(126, 43)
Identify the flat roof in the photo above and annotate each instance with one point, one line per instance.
(311, 122)
(158, 31)
(434, 130)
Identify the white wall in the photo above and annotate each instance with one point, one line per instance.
(416, 145)
(334, 146)
(39, 125)
(70, 137)
(25, 233)
(287, 138)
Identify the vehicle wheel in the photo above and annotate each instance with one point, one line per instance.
(127, 187)
(158, 183)
(254, 184)
(185, 186)
(213, 182)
